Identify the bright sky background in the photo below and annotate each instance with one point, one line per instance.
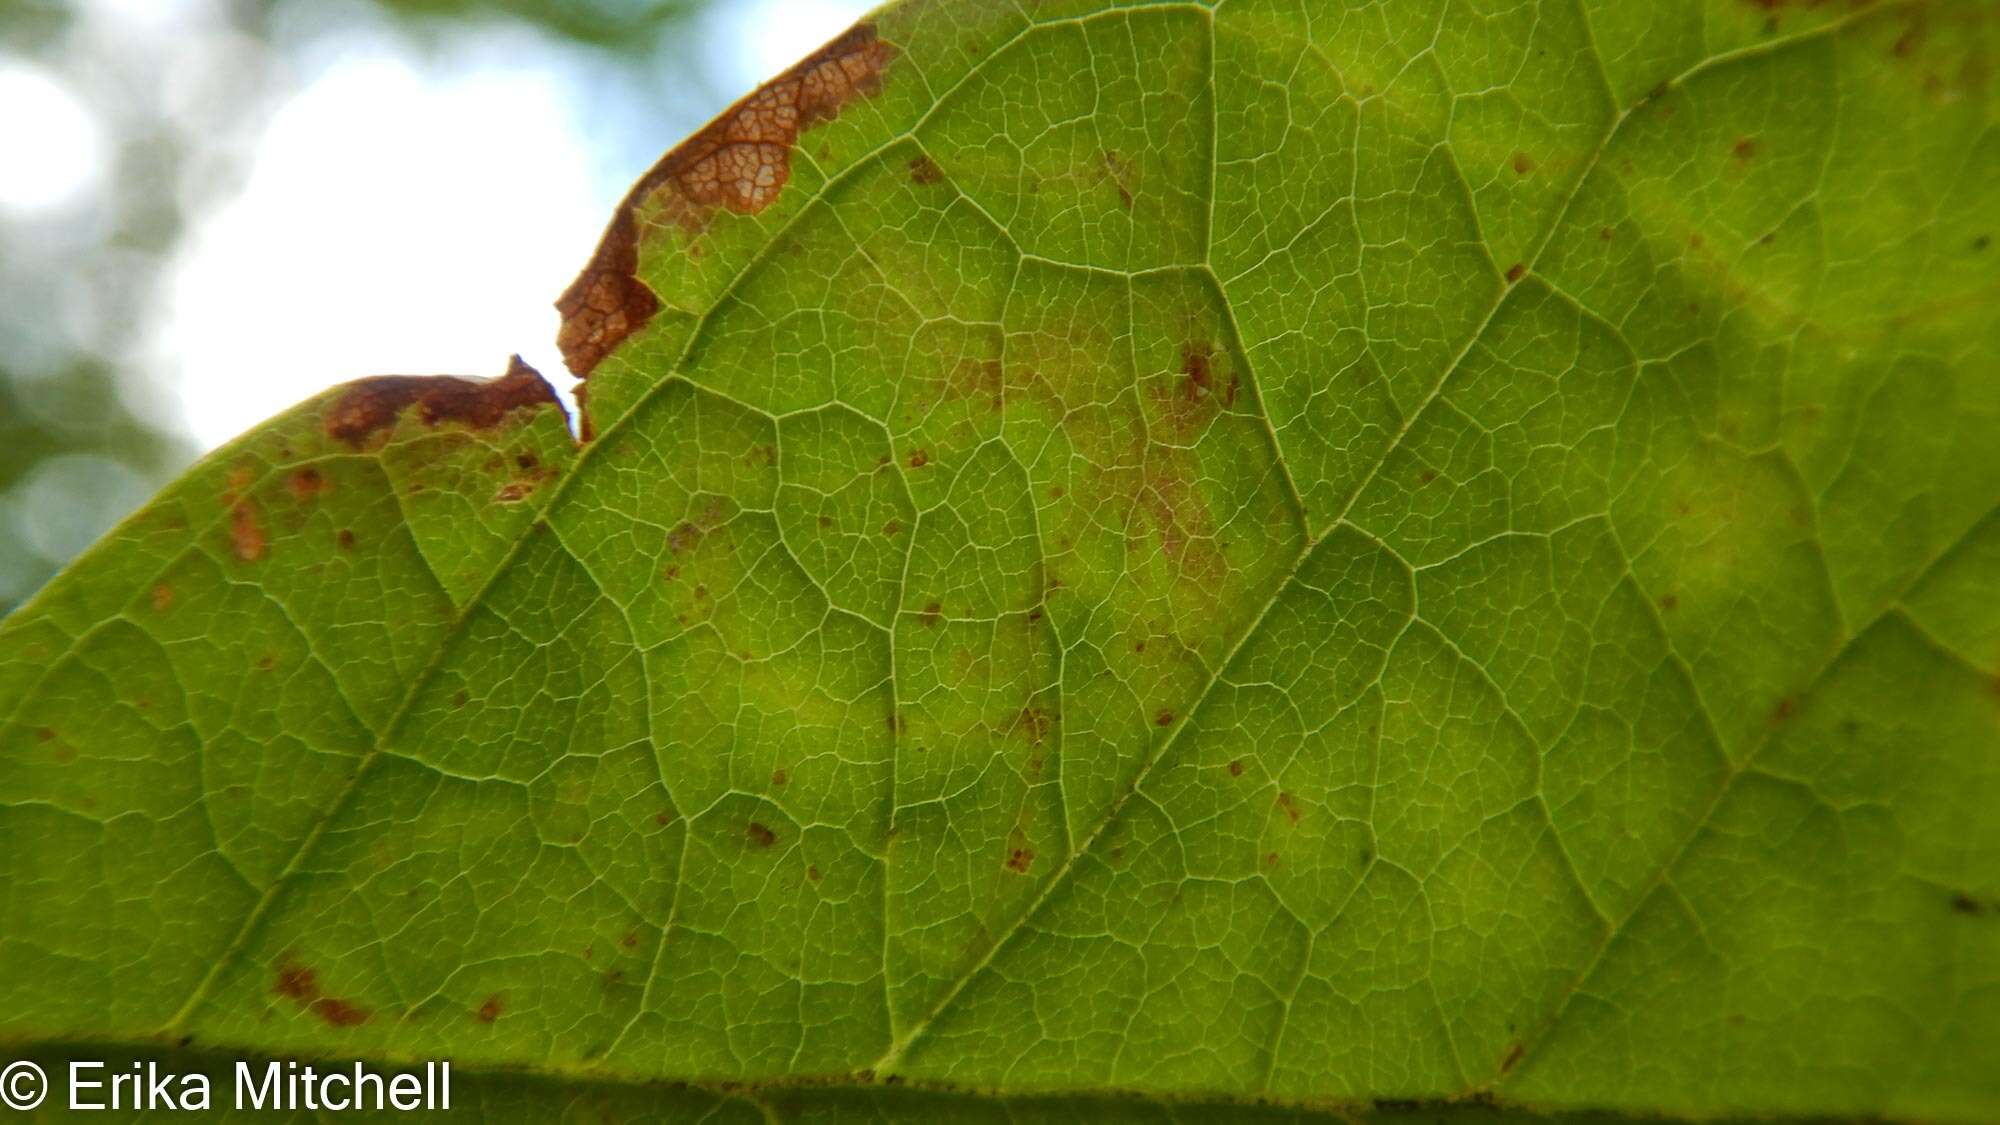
(403, 213)
(47, 121)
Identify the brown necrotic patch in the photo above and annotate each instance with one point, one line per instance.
(299, 984)
(1203, 381)
(306, 483)
(372, 405)
(246, 531)
(1963, 902)
(740, 162)
(296, 982)
(339, 1013)
(1036, 723)
(1120, 174)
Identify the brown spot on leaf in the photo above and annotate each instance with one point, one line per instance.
(1783, 710)
(919, 459)
(779, 777)
(1513, 1058)
(924, 170)
(741, 161)
(1036, 724)
(1604, 234)
(1121, 176)
(1196, 365)
(1236, 767)
(1906, 43)
(163, 598)
(339, 1013)
(1744, 148)
(490, 1010)
(296, 982)
(630, 939)
(1964, 903)
(1515, 272)
(760, 836)
(300, 984)
(1523, 164)
(1670, 602)
(1020, 859)
(306, 483)
(812, 872)
(246, 531)
(684, 536)
(1164, 719)
(372, 405)
(345, 539)
(1291, 807)
(892, 529)
(932, 613)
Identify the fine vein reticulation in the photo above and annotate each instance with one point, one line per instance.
(1171, 561)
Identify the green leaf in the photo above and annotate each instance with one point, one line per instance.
(1424, 558)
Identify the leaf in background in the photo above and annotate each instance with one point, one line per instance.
(1293, 554)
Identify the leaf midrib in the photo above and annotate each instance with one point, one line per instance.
(584, 1081)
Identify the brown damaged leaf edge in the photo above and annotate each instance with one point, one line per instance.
(741, 161)
(373, 404)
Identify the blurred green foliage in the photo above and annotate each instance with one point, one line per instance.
(623, 26)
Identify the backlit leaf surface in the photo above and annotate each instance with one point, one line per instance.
(1128, 561)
